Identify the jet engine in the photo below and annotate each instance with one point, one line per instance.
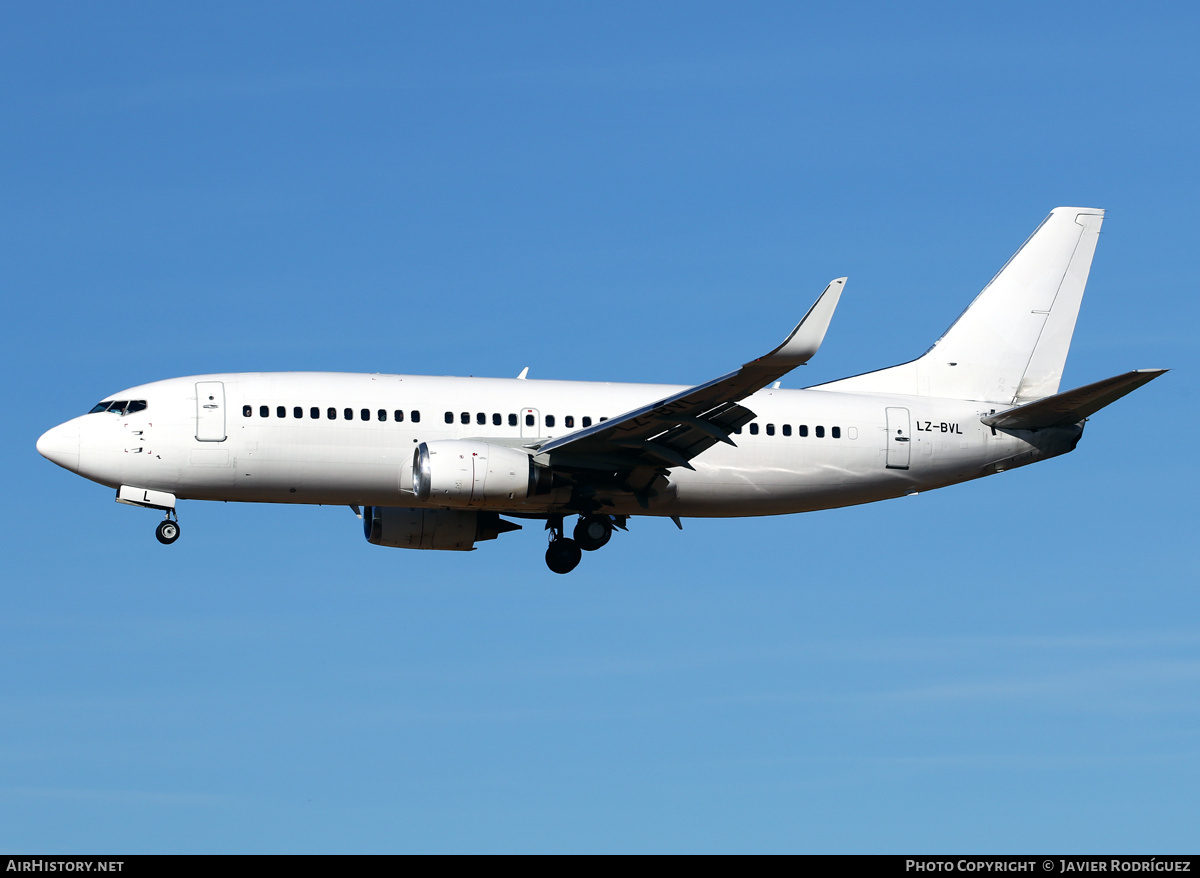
(448, 529)
(459, 472)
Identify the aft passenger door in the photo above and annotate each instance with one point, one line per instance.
(210, 411)
(899, 440)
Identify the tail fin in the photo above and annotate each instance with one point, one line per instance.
(1011, 343)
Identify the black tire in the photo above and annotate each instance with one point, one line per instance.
(167, 532)
(563, 556)
(593, 532)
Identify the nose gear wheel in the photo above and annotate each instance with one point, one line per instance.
(167, 531)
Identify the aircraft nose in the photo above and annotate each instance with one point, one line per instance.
(61, 445)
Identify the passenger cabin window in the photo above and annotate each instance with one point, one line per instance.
(314, 413)
(416, 416)
(787, 429)
(496, 419)
(348, 414)
(835, 432)
(802, 429)
(587, 422)
(770, 429)
(297, 412)
(529, 420)
(398, 416)
(512, 420)
(280, 411)
(331, 413)
(569, 421)
(364, 414)
(449, 417)
(549, 420)
(264, 411)
(381, 414)
(465, 417)
(480, 418)
(820, 432)
(247, 411)
(754, 429)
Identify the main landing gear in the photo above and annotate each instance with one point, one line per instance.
(167, 530)
(591, 533)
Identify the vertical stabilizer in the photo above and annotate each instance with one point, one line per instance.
(1011, 344)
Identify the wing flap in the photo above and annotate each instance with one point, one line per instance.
(1073, 406)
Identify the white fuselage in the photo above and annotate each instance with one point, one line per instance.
(857, 448)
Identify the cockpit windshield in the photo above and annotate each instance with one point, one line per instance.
(119, 406)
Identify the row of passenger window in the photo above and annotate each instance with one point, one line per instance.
(802, 430)
(398, 415)
(481, 419)
(331, 413)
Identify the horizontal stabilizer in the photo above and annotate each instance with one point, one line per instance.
(1071, 407)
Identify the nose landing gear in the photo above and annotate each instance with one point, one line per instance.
(167, 531)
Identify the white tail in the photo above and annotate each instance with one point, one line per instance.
(1011, 343)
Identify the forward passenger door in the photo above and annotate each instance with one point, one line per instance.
(210, 411)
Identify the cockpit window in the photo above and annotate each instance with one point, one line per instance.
(119, 406)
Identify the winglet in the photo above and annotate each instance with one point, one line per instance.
(524, 374)
(799, 347)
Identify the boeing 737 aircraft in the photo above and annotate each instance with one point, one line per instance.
(433, 463)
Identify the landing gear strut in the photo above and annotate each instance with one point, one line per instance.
(167, 531)
(562, 555)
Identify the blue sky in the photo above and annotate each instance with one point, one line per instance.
(613, 192)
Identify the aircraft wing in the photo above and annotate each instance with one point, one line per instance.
(672, 431)
(1072, 406)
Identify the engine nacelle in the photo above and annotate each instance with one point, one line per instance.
(462, 472)
(446, 529)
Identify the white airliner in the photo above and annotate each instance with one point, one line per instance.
(434, 462)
